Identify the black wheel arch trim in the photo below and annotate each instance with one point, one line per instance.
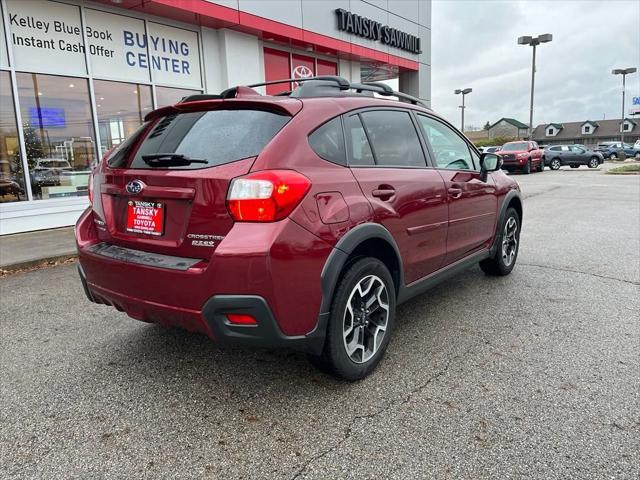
(512, 194)
(340, 254)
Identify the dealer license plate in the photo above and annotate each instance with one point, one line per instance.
(145, 217)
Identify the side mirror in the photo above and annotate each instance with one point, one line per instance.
(489, 162)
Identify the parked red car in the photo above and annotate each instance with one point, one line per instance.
(522, 156)
(293, 221)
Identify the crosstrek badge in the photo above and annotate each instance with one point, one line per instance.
(145, 217)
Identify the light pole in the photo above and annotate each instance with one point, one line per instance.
(463, 92)
(624, 72)
(534, 42)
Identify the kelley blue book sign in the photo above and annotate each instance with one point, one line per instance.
(47, 37)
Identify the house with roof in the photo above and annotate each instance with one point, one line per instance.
(508, 127)
(588, 132)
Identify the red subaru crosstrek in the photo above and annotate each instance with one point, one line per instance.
(298, 220)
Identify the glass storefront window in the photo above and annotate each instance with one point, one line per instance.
(12, 186)
(58, 134)
(168, 96)
(121, 108)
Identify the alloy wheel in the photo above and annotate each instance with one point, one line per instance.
(593, 163)
(365, 319)
(509, 241)
(555, 164)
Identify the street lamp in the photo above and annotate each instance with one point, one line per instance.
(534, 42)
(463, 92)
(624, 72)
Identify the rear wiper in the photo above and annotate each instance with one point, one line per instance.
(170, 160)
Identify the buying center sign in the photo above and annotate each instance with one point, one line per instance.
(48, 37)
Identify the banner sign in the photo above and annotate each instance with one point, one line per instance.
(47, 37)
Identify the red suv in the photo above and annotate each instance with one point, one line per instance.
(298, 220)
(522, 156)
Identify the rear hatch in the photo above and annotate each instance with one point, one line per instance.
(164, 189)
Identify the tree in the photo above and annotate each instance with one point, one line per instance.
(487, 126)
(32, 144)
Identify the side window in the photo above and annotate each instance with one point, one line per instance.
(577, 150)
(565, 148)
(555, 149)
(359, 147)
(475, 158)
(450, 150)
(328, 142)
(394, 139)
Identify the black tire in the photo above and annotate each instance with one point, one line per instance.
(499, 264)
(555, 164)
(613, 156)
(527, 168)
(541, 166)
(335, 358)
(593, 162)
(573, 165)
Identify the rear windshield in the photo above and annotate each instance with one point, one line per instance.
(209, 138)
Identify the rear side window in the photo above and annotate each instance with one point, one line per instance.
(394, 139)
(211, 138)
(359, 148)
(328, 142)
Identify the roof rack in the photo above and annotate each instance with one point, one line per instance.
(320, 86)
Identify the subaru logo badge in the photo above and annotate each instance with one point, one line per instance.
(134, 187)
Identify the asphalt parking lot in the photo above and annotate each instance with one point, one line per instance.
(535, 375)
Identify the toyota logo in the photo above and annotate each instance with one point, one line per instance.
(302, 71)
(134, 187)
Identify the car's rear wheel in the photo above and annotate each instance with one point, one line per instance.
(527, 168)
(593, 162)
(637, 155)
(504, 259)
(555, 164)
(362, 316)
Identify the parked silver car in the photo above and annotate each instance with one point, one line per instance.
(573, 155)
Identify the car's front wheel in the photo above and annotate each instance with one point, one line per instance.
(593, 162)
(555, 164)
(362, 316)
(541, 166)
(613, 156)
(637, 155)
(504, 259)
(527, 168)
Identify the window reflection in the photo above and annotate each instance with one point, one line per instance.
(58, 134)
(121, 108)
(12, 186)
(168, 96)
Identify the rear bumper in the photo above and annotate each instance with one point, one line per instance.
(212, 319)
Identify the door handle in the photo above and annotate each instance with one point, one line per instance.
(455, 192)
(384, 193)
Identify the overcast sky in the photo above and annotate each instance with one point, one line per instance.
(474, 44)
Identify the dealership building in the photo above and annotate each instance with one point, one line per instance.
(78, 77)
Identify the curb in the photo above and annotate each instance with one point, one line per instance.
(37, 263)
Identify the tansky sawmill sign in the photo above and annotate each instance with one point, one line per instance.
(367, 28)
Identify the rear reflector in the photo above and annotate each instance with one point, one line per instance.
(266, 196)
(241, 319)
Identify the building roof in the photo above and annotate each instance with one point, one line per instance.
(573, 130)
(595, 124)
(558, 126)
(512, 121)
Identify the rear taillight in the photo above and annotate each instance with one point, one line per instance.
(266, 196)
(90, 188)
